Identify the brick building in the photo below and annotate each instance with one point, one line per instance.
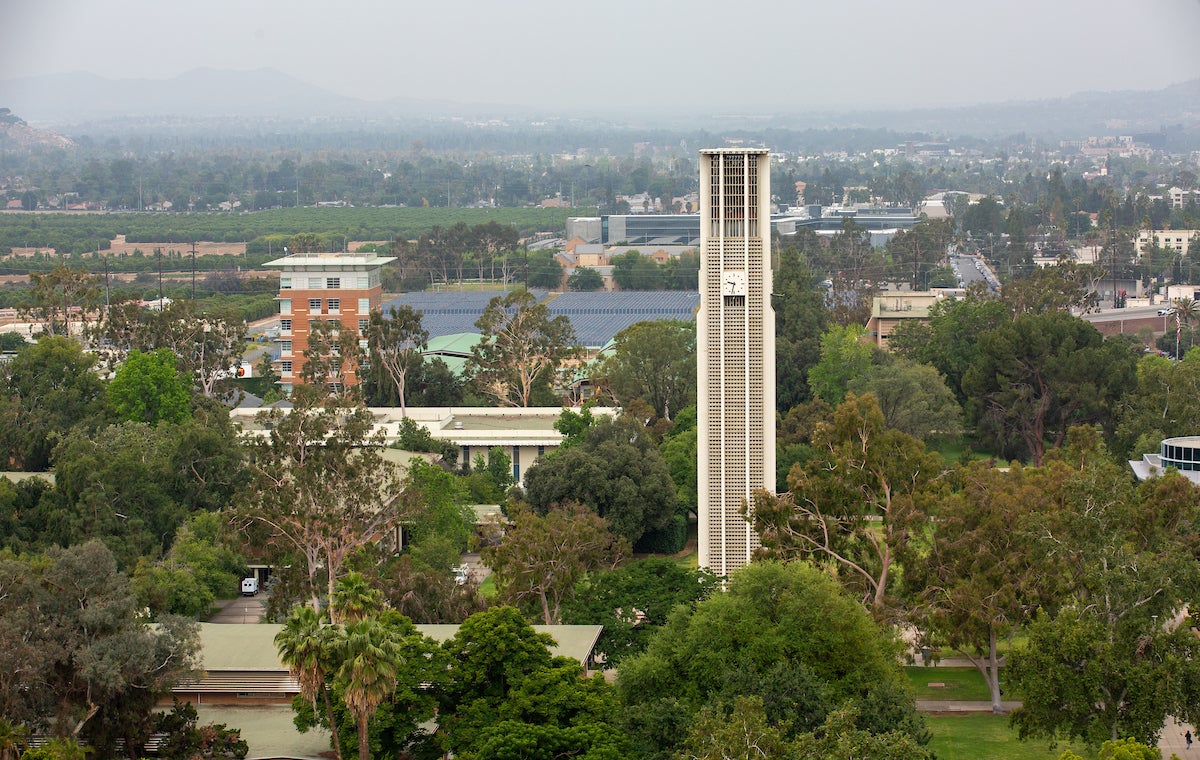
(341, 287)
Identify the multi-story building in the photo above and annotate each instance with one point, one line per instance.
(735, 329)
(342, 287)
(1174, 240)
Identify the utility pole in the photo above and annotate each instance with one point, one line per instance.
(193, 270)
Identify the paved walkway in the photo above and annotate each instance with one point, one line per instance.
(243, 609)
(959, 706)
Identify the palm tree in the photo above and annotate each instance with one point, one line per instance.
(13, 737)
(371, 661)
(1186, 311)
(354, 599)
(306, 646)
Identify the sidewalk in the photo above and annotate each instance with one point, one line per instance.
(953, 706)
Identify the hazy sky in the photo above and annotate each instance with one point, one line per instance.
(755, 55)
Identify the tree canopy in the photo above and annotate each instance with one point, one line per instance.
(520, 349)
(616, 470)
(784, 633)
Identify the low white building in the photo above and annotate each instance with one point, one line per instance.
(523, 433)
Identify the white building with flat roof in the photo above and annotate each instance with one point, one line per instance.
(525, 434)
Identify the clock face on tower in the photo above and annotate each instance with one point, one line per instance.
(733, 283)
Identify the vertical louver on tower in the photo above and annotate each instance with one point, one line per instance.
(736, 352)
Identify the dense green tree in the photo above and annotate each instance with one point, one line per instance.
(321, 488)
(521, 347)
(633, 601)
(585, 279)
(858, 503)
(502, 695)
(542, 557)
(441, 501)
(1065, 286)
(633, 271)
(678, 450)
(116, 486)
(982, 576)
(544, 270)
(950, 342)
(148, 388)
(1122, 749)
(48, 388)
(1041, 373)
(616, 470)
(784, 633)
(1111, 661)
(435, 384)
(655, 362)
(844, 357)
(1165, 403)
(984, 218)
(80, 662)
(913, 397)
(801, 318)
(741, 732)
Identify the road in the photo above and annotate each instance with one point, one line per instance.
(243, 609)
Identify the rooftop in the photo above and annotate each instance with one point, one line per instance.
(330, 259)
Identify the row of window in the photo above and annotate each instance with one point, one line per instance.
(324, 306)
(285, 326)
(323, 283)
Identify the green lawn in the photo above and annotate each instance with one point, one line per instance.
(488, 588)
(988, 737)
(961, 684)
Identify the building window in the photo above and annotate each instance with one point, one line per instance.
(541, 451)
(285, 347)
(363, 281)
(285, 283)
(285, 307)
(364, 306)
(333, 283)
(516, 450)
(464, 456)
(362, 326)
(285, 325)
(314, 305)
(334, 305)
(315, 283)
(285, 367)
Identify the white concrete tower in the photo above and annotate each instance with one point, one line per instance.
(735, 339)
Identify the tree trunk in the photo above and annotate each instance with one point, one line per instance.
(364, 743)
(337, 742)
(992, 664)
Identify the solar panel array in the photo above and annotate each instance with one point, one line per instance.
(596, 317)
(449, 312)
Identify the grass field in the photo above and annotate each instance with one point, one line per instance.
(988, 737)
(488, 587)
(961, 684)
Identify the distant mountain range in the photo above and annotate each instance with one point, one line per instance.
(205, 94)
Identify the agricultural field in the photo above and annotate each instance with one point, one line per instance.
(22, 235)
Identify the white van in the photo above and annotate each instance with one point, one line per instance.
(249, 586)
